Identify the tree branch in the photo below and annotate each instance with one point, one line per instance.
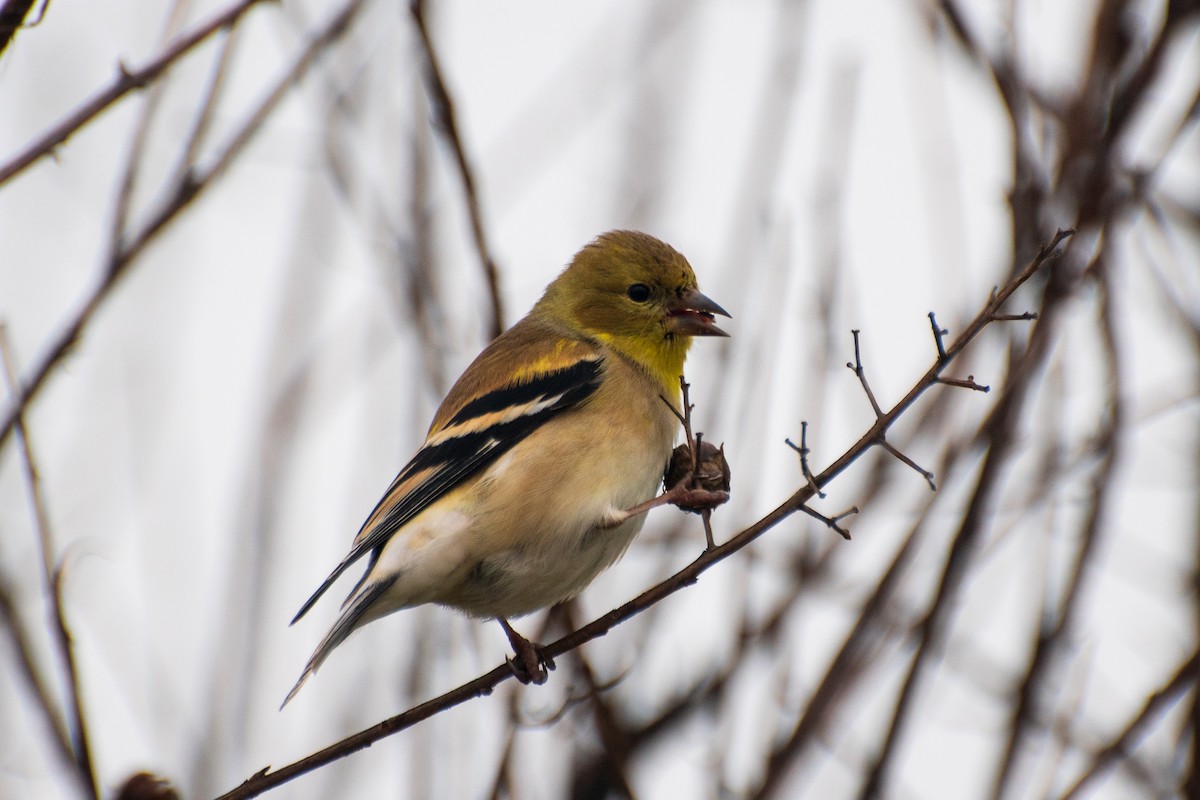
(446, 121)
(189, 185)
(127, 80)
(52, 577)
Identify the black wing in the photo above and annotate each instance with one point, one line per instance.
(482, 430)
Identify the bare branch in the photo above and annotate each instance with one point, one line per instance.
(804, 451)
(965, 383)
(1000, 433)
(924, 473)
(27, 669)
(446, 121)
(127, 80)
(52, 575)
(857, 369)
(1053, 636)
(190, 185)
(1110, 755)
(938, 333)
(832, 522)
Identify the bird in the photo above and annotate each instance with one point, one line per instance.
(529, 481)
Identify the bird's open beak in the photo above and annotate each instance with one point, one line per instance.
(691, 314)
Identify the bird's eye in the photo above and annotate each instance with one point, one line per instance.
(638, 292)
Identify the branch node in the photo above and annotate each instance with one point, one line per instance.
(832, 522)
(129, 77)
(804, 451)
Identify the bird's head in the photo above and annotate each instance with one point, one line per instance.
(639, 296)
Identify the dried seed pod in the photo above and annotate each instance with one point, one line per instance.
(712, 473)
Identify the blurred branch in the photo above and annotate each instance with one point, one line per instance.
(267, 779)
(23, 647)
(127, 80)
(843, 671)
(187, 187)
(1090, 178)
(61, 633)
(616, 739)
(1121, 746)
(446, 121)
(137, 143)
(203, 118)
(1053, 636)
(1031, 181)
(1000, 432)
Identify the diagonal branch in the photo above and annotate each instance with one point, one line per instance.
(1183, 681)
(1053, 639)
(1000, 437)
(447, 122)
(190, 185)
(127, 80)
(52, 575)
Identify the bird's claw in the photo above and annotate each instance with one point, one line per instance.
(530, 666)
(697, 500)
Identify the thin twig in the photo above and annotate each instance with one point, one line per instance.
(446, 121)
(1000, 438)
(23, 647)
(924, 473)
(938, 333)
(804, 451)
(1184, 680)
(697, 495)
(832, 522)
(127, 80)
(965, 383)
(857, 369)
(203, 118)
(136, 149)
(52, 575)
(189, 186)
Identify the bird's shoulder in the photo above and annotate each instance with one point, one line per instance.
(531, 358)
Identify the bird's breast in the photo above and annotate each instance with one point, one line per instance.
(539, 535)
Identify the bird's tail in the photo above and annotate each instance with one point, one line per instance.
(353, 615)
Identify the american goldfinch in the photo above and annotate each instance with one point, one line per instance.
(520, 495)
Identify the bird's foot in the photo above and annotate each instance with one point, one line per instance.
(696, 500)
(530, 664)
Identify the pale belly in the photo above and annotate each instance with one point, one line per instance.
(550, 545)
